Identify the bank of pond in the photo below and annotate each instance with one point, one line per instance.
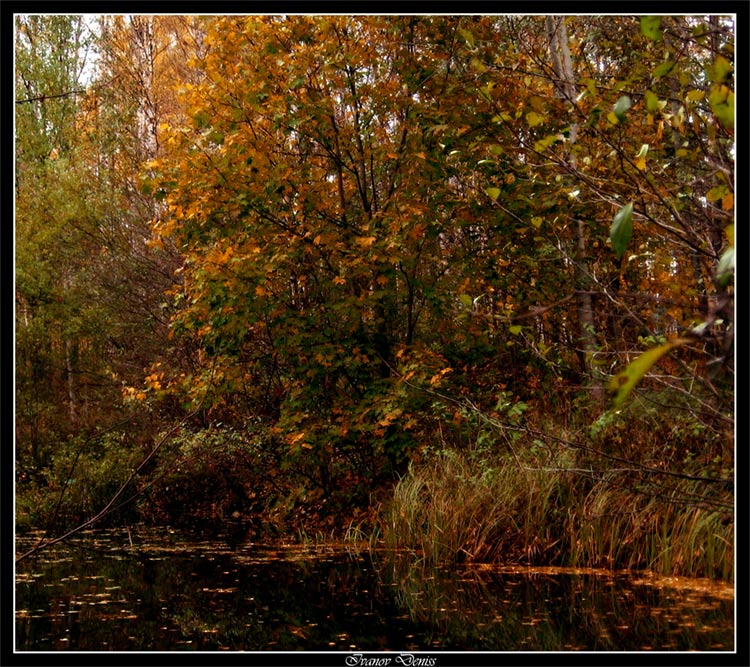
(159, 589)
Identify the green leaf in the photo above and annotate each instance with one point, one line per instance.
(722, 105)
(466, 300)
(543, 144)
(201, 119)
(621, 107)
(650, 27)
(492, 193)
(515, 329)
(624, 382)
(534, 119)
(729, 233)
(590, 85)
(622, 229)
(721, 69)
(725, 270)
(716, 193)
(664, 68)
(652, 102)
(468, 37)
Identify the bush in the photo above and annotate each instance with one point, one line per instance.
(83, 476)
(210, 480)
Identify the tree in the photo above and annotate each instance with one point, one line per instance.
(355, 218)
(52, 314)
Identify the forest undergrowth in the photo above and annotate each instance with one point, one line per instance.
(502, 487)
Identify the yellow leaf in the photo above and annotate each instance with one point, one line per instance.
(727, 203)
(640, 162)
(435, 379)
(623, 383)
(294, 438)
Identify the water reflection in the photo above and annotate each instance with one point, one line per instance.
(169, 593)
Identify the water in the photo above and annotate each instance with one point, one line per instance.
(166, 592)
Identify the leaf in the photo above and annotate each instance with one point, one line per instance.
(534, 119)
(468, 37)
(652, 101)
(721, 69)
(624, 382)
(722, 105)
(543, 144)
(466, 300)
(663, 69)
(650, 27)
(515, 329)
(725, 269)
(621, 107)
(716, 193)
(622, 229)
(492, 193)
(729, 233)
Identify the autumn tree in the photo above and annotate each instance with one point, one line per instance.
(90, 308)
(340, 235)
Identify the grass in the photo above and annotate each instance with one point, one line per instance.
(457, 507)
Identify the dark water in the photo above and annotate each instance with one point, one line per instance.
(168, 593)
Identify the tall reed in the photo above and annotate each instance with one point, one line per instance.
(456, 507)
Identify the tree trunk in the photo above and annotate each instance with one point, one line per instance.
(562, 66)
(72, 403)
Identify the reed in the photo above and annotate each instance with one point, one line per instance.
(455, 507)
(459, 509)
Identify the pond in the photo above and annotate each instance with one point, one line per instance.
(158, 590)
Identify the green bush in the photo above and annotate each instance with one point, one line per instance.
(84, 474)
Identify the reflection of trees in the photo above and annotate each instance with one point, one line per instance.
(178, 595)
(487, 609)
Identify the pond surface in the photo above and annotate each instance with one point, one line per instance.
(156, 590)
